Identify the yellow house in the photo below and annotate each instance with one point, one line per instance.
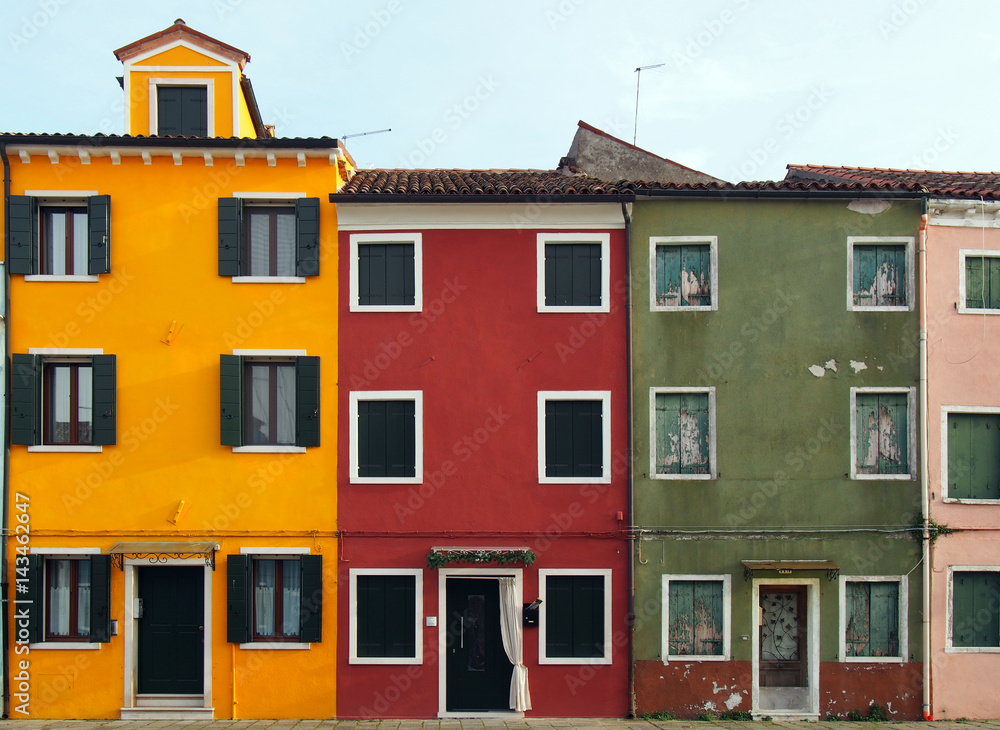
(172, 334)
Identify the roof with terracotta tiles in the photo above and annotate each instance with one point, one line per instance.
(181, 31)
(942, 184)
(492, 183)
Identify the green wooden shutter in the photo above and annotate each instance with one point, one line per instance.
(311, 629)
(884, 619)
(399, 274)
(668, 433)
(22, 256)
(400, 631)
(371, 274)
(182, 110)
(586, 274)
(230, 237)
(681, 618)
(26, 399)
(558, 438)
(558, 275)
(238, 603)
(99, 234)
(588, 439)
(991, 266)
(372, 460)
(976, 609)
(668, 276)
(974, 455)
(307, 237)
(976, 292)
(105, 428)
(558, 616)
(891, 263)
(100, 599)
(34, 599)
(231, 399)
(370, 617)
(574, 616)
(696, 263)
(865, 293)
(401, 438)
(307, 416)
(895, 459)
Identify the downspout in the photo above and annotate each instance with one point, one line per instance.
(627, 215)
(925, 505)
(4, 506)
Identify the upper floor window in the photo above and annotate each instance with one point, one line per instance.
(386, 272)
(682, 427)
(880, 273)
(60, 235)
(386, 432)
(684, 273)
(975, 608)
(574, 437)
(182, 110)
(971, 463)
(573, 272)
(882, 433)
(268, 237)
(980, 281)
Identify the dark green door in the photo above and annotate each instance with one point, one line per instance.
(171, 630)
(478, 672)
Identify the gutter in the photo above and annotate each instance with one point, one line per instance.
(537, 198)
(5, 491)
(627, 215)
(925, 506)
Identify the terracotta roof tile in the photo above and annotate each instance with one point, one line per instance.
(942, 184)
(473, 183)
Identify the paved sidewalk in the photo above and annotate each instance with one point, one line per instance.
(528, 724)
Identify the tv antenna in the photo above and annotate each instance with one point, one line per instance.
(364, 134)
(638, 75)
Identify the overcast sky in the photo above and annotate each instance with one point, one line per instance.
(747, 86)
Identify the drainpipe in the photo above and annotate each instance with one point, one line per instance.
(5, 505)
(627, 215)
(925, 505)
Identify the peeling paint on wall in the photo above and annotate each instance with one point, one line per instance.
(859, 366)
(831, 365)
(733, 701)
(818, 370)
(869, 207)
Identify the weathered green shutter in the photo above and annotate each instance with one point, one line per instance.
(682, 433)
(105, 423)
(26, 399)
(238, 599)
(696, 618)
(991, 266)
(99, 234)
(891, 262)
(231, 399)
(882, 433)
(865, 291)
(974, 455)
(696, 266)
(574, 616)
(307, 417)
(880, 276)
(976, 292)
(884, 619)
(230, 237)
(33, 600)
(311, 628)
(976, 609)
(307, 236)
(668, 276)
(100, 599)
(22, 256)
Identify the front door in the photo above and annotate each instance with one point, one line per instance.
(171, 630)
(477, 671)
(784, 671)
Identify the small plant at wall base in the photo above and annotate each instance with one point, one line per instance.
(705, 716)
(665, 715)
(876, 713)
(439, 559)
(737, 715)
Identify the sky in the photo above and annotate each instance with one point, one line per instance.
(746, 86)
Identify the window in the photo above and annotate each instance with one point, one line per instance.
(696, 617)
(682, 427)
(63, 400)
(73, 593)
(275, 597)
(880, 273)
(182, 111)
(268, 237)
(882, 433)
(873, 618)
(972, 448)
(573, 272)
(975, 609)
(385, 616)
(574, 437)
(386, 272)
(684, 273)
(65, 235)
(575, 620)
(386, 437)
(980, 281)
(269, 400)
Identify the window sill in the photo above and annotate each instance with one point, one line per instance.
(269, 280)
(574, 310)
(966, 310)
(53, 277)
(972, 650)
(53, 448)
(684, 309)
(269, 449)
(970, 500)
(872, 660)
(696, 658)
(683, 477)
(268, 645)
(894, 308)
(582, 661)
(883, 477)
(574, 480)
(385, 660)
(66, 645)
(387, 480)
(387, 308)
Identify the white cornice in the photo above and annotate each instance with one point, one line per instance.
(201, 154)
(963, 213)
(526, 216)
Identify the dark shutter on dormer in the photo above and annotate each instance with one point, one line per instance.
(99, 234)
(22, 226)
(230, 237)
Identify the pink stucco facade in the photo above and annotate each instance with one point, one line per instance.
(963, 364)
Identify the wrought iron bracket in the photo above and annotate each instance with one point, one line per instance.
(118, 559)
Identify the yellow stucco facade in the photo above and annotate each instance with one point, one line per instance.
(168, 315)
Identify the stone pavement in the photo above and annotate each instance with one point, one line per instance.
(490, 724)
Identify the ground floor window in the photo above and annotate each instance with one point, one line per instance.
(696, 616)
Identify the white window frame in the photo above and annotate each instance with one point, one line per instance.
(713, 243)
(727, 617)
(911, 436)
(712, 465)
(418, 579)
(902, 606)
(543, 574)
(388, 238)
(604, 239)
(592, 395)
(906, 241)
(48, 198)
(69, 355)
(417, 396)
(962, 255)
(57, 553)
(949, 647)
(265, 355)
(208, 83)
(945, 412)
(275, 553)
(276, 200)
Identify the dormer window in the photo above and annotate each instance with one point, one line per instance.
(182, 110)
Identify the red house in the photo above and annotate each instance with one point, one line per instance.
(482, 430)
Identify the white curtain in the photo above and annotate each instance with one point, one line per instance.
(513, 644)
